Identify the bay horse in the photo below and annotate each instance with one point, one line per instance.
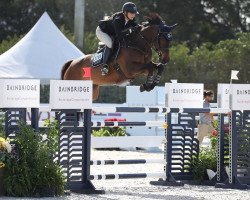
(134, 58)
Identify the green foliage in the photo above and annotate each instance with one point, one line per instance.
(112, 94)
(108, 131)
(44, 93)
(207, 160)
(33, 172)
(197, 24)
(52, 134)
(245, 141)
(18, 17)
(90, 43)
(210, 64)
(2, 122)
(8, 43)
(67, 33)
(213, 141)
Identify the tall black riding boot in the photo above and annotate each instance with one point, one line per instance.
(105, 67)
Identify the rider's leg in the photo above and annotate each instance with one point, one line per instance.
(106, 39)
(105, 67)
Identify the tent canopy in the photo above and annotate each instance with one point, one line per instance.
(40, 54)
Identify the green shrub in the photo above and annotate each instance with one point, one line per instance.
(44, 93)
(90, 43)
(52, 134)
(108, 131)
(32, 171)
(206, 160)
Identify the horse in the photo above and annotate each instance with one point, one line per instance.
(134, 57)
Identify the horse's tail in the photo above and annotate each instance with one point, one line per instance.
(64, 68)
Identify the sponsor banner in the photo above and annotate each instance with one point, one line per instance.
(240, 97)
(19, 93)
(70, 94)
(184, 95)
(223, 95)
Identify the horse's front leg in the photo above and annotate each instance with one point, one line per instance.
(147, 86)
(153, 81)
(157, 78)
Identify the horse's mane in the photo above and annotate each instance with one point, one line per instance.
(152, 19)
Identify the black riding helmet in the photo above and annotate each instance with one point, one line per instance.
(129, 7)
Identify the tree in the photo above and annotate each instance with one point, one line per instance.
(8, 43)
(17, 17)
(204, 20)
(228, 13)
(210, 64)
(199, 20)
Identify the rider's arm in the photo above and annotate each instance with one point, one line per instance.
(134, 23)
(117, 22)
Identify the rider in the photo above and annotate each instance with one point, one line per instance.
(114, 26)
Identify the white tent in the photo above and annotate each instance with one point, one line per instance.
(40, 54)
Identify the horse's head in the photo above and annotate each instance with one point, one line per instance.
(162, 36)
(162, 43)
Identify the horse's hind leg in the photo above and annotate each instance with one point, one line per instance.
(95, 92)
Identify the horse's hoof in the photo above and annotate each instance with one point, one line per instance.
(142, 88)
(152, 86)
(148, 89)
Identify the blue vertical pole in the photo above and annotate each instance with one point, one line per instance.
(170, 180)
(6, 124)
(221, 149)
(169, 147)
(235, 129)
(86, 186)
(35, 119)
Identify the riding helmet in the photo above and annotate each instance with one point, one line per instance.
(130, 7)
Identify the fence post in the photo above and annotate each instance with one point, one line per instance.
(35, 119)
(86, 186)
(220, 149)
(236, 122)
(170, 180)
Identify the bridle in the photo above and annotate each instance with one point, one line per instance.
(158, 49)
(155, 43)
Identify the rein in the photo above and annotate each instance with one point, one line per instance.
(152, 44)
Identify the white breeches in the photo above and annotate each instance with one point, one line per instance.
(103, 37)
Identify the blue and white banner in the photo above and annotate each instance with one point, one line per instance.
(223, 91)
(184, 95)
(240, 96)
(71, 94)
(19, 93)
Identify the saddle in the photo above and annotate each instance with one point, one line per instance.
(97, 58)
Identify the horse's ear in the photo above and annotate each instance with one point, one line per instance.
(173, 26)
(167, 28)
